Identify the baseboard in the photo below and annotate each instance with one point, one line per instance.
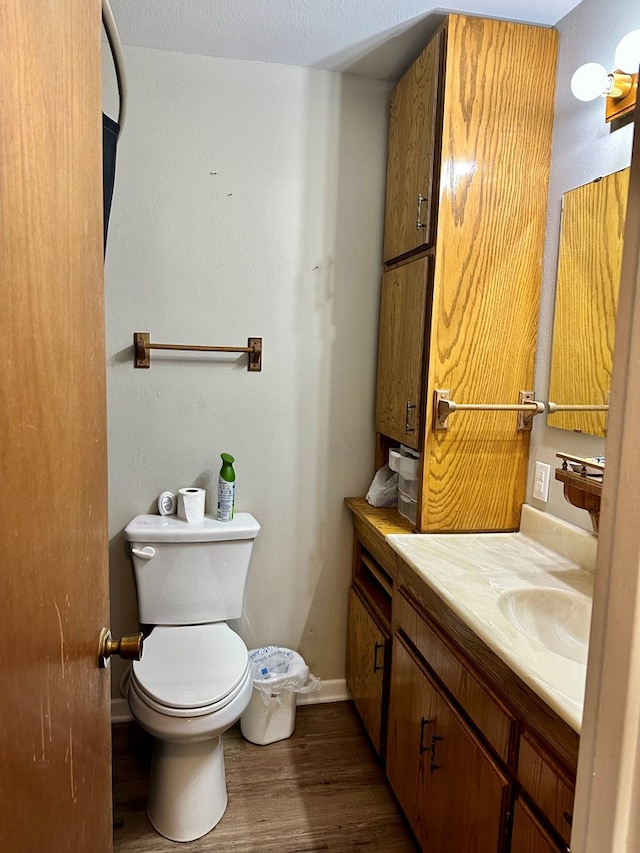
(120, 712)
(334, 690)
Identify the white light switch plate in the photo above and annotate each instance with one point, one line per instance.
(541, 481)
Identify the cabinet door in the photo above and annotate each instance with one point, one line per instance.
(468, 795)
(401, 346)
(529, 836)
(410, 711)
(413, 118)
(366, 647)
(451, 790)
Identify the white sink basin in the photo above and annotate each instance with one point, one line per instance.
(557, 618)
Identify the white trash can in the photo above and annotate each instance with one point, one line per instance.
(279, 674)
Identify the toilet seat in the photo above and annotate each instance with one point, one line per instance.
(191, 670)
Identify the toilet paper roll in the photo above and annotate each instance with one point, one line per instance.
(191, 504)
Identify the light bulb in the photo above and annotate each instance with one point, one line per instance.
(627, 57)
(589, 81)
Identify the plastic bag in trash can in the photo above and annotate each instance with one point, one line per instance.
(275, 670)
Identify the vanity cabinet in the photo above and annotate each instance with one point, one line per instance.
(452, 791)
(547, 787)
(476, 759)
(368, 647)
(529, 835)
(463, 249)
(368, 663)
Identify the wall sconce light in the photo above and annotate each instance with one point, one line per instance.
(619, 87)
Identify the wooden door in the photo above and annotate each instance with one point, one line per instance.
(366, 647)
(55, 746)
(410, 713)
(401, 346)
(528, 834)
(468, 794)
(452, 792)
(413, 122)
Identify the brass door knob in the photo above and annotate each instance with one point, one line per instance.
(128, 648)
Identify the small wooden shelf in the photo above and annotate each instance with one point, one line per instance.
(583, 492)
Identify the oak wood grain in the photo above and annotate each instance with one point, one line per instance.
(545, 783)
(367, 648)
(488, 260)
(401, 343)
(413, 144)
(496, 722)
(586, 305)
(529, 836)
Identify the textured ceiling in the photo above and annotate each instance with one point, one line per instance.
(376, 38)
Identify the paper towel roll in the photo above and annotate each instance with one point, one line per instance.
(191, 504)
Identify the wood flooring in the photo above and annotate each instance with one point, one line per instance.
(320, 790)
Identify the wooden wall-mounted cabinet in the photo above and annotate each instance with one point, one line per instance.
(404, 301)
(414, 117)
(470, 134)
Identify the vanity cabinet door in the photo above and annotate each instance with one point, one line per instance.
(367, 647)
(452, 791)
(546, 785)
(529, 836)
(413, 130)
(401, 346)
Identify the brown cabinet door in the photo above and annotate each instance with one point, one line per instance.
(528, 834)
(468, 795)
(401, 346)
(366, 648)
(410, 711)
(413, 118)
(453, 793)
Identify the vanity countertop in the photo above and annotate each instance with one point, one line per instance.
(476, 573)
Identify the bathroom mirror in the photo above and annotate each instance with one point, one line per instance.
(589, 260)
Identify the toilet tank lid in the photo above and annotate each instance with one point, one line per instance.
(170, 528)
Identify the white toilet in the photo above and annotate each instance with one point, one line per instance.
(193, 681)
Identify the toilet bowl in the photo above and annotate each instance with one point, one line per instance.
(194, 680)
(191, 685)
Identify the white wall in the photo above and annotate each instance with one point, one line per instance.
(248, 202)
(584, 148)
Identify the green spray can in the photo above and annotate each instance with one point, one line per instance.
(226, 488)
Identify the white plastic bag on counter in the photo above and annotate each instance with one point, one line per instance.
(276, 670)
(383, 491)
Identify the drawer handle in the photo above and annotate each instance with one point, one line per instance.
(407, 425)
(433, 765)
(376, 667)
(419, 223)
(423, 725)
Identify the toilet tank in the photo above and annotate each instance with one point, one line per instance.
(189, 574)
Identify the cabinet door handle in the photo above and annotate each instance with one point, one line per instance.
(432, 764)
(568, 817)
(419, 223)
(376, 667)
(409, 407)
(423, 725)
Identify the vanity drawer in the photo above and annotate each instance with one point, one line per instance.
(492, 718)
(374, 543)
(540, 778)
